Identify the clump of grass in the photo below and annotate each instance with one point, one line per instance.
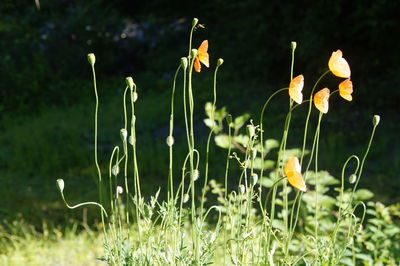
(278, 211)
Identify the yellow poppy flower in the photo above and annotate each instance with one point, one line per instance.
(293, 172)
(338, 65)
(295, 87)
(346, 89)
(321, 100)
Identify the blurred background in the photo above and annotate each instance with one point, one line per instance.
(47, 99)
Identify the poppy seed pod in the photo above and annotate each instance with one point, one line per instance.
(129, 82)
(184, 62)
(376, 120)
(91, 58)
(60, 184)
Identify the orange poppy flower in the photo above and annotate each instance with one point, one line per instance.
(295, 87)
(338, 65)
(321, 100)
(202, 56)
(346, 89)
(293, 172)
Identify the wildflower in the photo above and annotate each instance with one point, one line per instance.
(295, 87)
(346, 89)
(338, 65)
(321, 100)
(202, 56)
(293, 172)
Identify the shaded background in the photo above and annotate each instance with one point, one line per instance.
(46, 94)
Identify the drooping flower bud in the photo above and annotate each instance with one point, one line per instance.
(193, 53)
(229, 120)
(134, 96)
(120, 190)
(185, 198)
(60, 184)
(196, 174)
(115, 170)
(254, 178)
(91, 58)
(352, 178)
(129, 82)
(242, 189)
(220, 62)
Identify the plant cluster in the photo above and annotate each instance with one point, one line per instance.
(281, 210)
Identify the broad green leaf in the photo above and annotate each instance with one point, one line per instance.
(222, 141)
(258, 164)
(240, 120)
(363, 194)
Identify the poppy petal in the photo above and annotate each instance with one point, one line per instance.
(321, 100)
(338, 65)
(197, 65)
(346, 89)
(295, 87)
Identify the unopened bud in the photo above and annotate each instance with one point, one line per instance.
(60, 184)
(293, 45)
(242, 189)
(132, 140)
(251, 130)
(229, 120)
(220, 62)
(196, 174)
(184, 62)
(185, 198)
(195, 21)
(134, 96)
(120, 190)
(170, 141)
(129, 82)
(254, 177)
(254, 153)
(376, 120)
(124, 134)
(352, 178)
(115, 170)
(91, 58)
(193, 53)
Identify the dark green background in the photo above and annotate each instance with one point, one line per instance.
(46, 93)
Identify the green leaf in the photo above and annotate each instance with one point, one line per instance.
(258, 164)
(222, 141)
(363, 194)
(240, 120)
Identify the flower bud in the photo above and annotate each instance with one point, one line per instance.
(134, 96)
(184, 62)
(124, 134)
(220, 62)
(185, 198)
(170, 141)
(195, 21)
(193, 53)
(242, 189)
(254, 153)
(251, 130)
(132, 140)
(376, 120)
(115, 170)
(120, 190)
(229, 120)
(196, 174)
(129, 82)
(91, 58)
(254, 178)
(60, 184)
(352, 178)
(293, 45)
